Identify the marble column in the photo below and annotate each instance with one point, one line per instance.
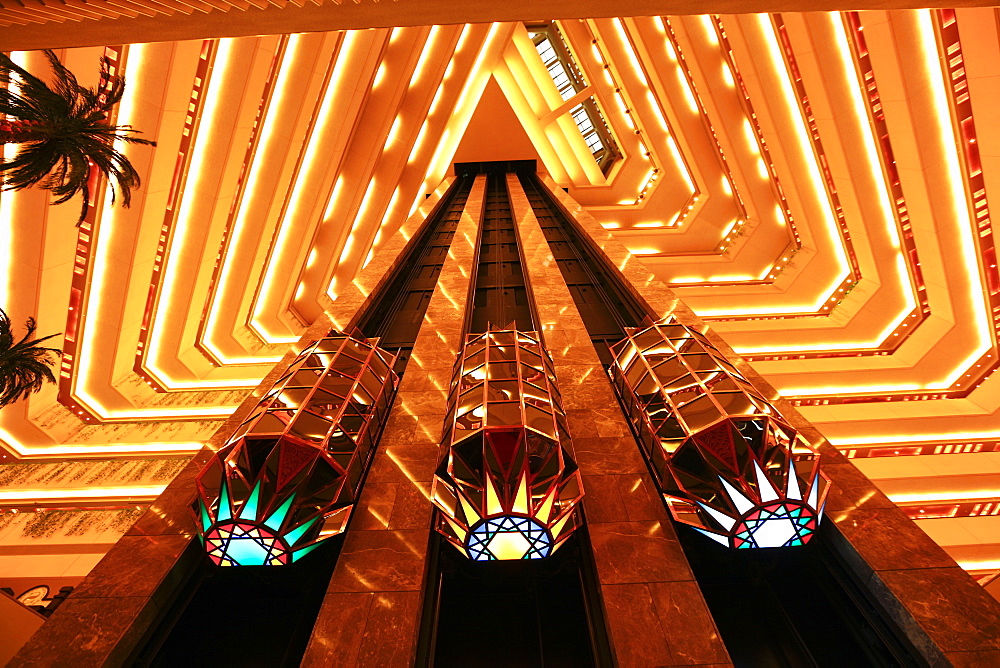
(654, 609)
(371, 613)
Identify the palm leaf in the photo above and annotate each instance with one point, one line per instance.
(26, 365)
(73, 133)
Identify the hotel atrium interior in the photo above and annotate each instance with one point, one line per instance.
(814, 186)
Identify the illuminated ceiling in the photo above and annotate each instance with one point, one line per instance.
(812, 184)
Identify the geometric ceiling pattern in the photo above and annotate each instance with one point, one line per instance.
(815, 185)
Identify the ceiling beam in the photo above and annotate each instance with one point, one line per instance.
(273, 19)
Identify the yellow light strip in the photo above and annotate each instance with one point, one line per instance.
(448, 143)
(956, 182)
(678, 72)
(269, 132)
(203, 169)
(425, 54)
(270, 280)
(801, 132)
(885, 205)
(102, 272)
(137, 493)
(7, 209)
(32, 451)
(977, 298)
(950, 495)
(439, 92)
(772, 41)
(987, 565)
(846, 441)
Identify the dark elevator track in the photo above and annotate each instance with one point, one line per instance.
(529, 613)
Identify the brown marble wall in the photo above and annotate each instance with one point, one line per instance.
(654, 609)
(104, 619)
(371, 613)
(947, 616)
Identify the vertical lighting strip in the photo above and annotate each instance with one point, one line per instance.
(630, 119)
(679, 160)
(864, 69)
(819, 154)
(99, 276)
(961, 108)
(335, 72)
(676, 54)
(879, 148)
(425, 126)
(954, 116)
(729, 59)
(79, 290)
(780, 66)
(192, 124)
(270, 121)
(448, 142)
(230, 233)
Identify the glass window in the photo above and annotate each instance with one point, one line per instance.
(686, 345)
(378, 366)
(338, 384)
(348, 366)
(309, 427)
(701, 362)
(290, 397)
(305, 378)
(325, 403)
(533, 375)
(357, 349)
(502, 390)
(329, 345)
(723, 383)
(339, 442)
(352, 424)
(470, 399)
(699, 413)
(536, 396)
(503, 413)
(502, 338)
(471, 420)
(735, 403)
(669, 370)
(540, 420)
(647, 388)
(647, 339)
(531, 359)
(473, 361)
(635, 374)
(268, 424)
(503, 353)
(503, 370)
(472, 379)
(314, 360)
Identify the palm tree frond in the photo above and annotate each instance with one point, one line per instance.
(24, 366)
(73, 133)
